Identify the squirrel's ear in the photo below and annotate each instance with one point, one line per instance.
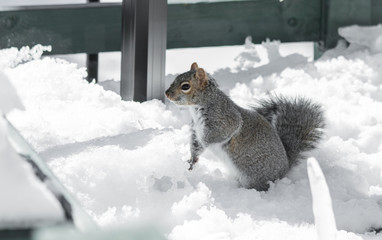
(194, 66)
(202, 78)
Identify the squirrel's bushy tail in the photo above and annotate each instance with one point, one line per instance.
(298, 121)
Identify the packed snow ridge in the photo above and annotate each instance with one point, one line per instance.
(126, 162)
(25, 200)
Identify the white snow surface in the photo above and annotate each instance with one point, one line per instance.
(322, 203)
(8, 96)
(126, 161)
(24, 199)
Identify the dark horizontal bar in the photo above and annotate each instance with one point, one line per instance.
(92, 28)
(96, 27)
(344, 13)
(228, 23)
(16, 234)
(60, 6)
(78, 28)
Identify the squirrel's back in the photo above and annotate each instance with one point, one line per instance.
(257, 151)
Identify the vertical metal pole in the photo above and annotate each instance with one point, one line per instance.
(144, 34)
(92, 66)
(318, 49)
(127, 49)
(92, 60)
(156, 74)
(134, 49)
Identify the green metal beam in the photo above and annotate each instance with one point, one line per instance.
(228, 23)
(92, 28)
(343, 13)
(376, 11)
(81, 28)
(340, 13)
(97, 27)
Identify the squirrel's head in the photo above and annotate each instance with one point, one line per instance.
(187, 86)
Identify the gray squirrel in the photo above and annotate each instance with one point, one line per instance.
(261, 144)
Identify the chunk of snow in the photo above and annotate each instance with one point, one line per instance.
(8, 95)
(369, 37)
(249, 57)
(192, 202)
(322, 202)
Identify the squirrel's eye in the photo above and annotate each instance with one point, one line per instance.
(186, 87)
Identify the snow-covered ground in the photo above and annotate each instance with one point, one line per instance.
(126, 161)
(17, 179)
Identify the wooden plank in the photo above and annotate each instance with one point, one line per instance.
(376, 12)
(342, 13)
(228, 23)
(78, 28)
(97, 28)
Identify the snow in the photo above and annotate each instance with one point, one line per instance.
(322, 202)
(25, 200)
(8, 96)
(126, 162)
(369, 37)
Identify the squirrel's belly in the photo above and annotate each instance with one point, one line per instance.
(198, 124)
(220, 152)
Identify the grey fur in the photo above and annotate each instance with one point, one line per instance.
(298, 122)
(258, 151)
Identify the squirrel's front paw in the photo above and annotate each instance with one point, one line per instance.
(192, 162)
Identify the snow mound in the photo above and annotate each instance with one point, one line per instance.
(8, 96)
(25, 200)
(368, 37)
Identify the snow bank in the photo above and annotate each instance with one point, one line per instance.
(126, 161)
(25, 200)
(8, 96)
(366, 37)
